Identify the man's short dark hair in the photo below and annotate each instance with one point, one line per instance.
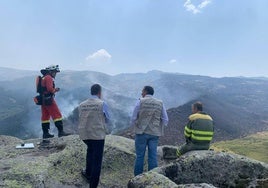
(198, 106)
(95, 89)
(149, 90)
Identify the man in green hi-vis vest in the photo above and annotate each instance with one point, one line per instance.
(198, 131)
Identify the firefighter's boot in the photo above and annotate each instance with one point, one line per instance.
(61, 133)
(45, 128)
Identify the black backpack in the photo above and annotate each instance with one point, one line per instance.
(39, 89)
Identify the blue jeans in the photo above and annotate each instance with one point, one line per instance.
(141, 142)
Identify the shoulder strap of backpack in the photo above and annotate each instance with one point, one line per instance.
(39, 88)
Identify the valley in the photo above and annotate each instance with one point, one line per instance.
(238, 105)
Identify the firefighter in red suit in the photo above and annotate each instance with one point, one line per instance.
(50, 110)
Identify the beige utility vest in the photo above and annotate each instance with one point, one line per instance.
(149, 117)
(91, 120)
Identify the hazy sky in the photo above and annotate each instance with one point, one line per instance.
(205, 37)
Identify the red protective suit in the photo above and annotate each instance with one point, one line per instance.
(51, 110)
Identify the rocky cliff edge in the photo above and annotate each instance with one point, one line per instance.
(205, 169)
(59, 163)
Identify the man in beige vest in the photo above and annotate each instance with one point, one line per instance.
(149, 118)
(93, 116)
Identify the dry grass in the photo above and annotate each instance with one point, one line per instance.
(253, 146)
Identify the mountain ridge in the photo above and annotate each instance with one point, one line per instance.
(16, 70)
(238, 105)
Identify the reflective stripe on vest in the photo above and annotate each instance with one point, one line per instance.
(201, 138)
(198, 135)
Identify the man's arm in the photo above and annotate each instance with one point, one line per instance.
(49, 84)
(188, 131)
(164, 116)
(105, 110)
(135, 113)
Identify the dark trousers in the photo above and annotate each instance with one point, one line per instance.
(191, 146)
(94, 160)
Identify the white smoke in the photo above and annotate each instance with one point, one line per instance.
(33, 123)
(67, 105)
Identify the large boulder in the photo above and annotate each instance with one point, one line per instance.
(151, 179)
(154, 179)
(215, 168)
(59, 163)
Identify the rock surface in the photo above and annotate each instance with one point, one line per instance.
(214, 168)
(59, 163)
(151, 179)
(154, 179)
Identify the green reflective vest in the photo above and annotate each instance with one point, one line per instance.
(199, 129)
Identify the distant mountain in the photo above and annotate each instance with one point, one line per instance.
(12, 74)
(238, 105)
(11, 113)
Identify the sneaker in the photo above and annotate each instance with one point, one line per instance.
(85, 175)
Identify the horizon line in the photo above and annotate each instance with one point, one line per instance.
(142, 72)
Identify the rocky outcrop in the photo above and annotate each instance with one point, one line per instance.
(215, 168)
(59, 163)
(151, 179)
(154, 179)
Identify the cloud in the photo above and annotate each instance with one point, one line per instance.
(173, 61)
(196, 8)
(204, 4)
(191, 7)
(100, 56)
